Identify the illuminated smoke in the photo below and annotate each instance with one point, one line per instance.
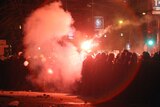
(133, 26)
(54, 62)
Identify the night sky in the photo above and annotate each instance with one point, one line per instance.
(13, 14)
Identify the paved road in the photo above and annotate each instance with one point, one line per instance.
(39, 99)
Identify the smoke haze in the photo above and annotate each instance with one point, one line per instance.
(52, 59)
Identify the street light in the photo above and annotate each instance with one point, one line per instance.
(143, 13)
(150, 42)
(121, 34)
(120, 22)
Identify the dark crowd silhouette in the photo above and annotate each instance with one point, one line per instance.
(125, 76)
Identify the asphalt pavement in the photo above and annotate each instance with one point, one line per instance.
(40, 99)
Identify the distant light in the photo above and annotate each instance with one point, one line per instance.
(120, 21)
(50, 71)
(105, 36)
(143, 13)
(128, 47)
(20, 53)
(20, 27)
(121, 34)
(98, 22)
(26, 63)
(150, 42)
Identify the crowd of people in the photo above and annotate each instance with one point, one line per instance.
(107, 71)
(128, 75)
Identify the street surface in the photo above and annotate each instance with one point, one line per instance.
(40, 99)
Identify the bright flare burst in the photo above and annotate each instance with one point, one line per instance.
(87, 45)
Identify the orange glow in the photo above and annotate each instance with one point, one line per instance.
(120, 21)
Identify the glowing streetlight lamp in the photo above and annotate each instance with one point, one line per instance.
(121, 34)
(120, 22)
(26, 63)
(143, 13)
(150, 42)
(20, 27)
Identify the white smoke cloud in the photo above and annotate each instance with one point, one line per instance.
(53, 59)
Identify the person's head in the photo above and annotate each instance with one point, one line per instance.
(145, 55)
